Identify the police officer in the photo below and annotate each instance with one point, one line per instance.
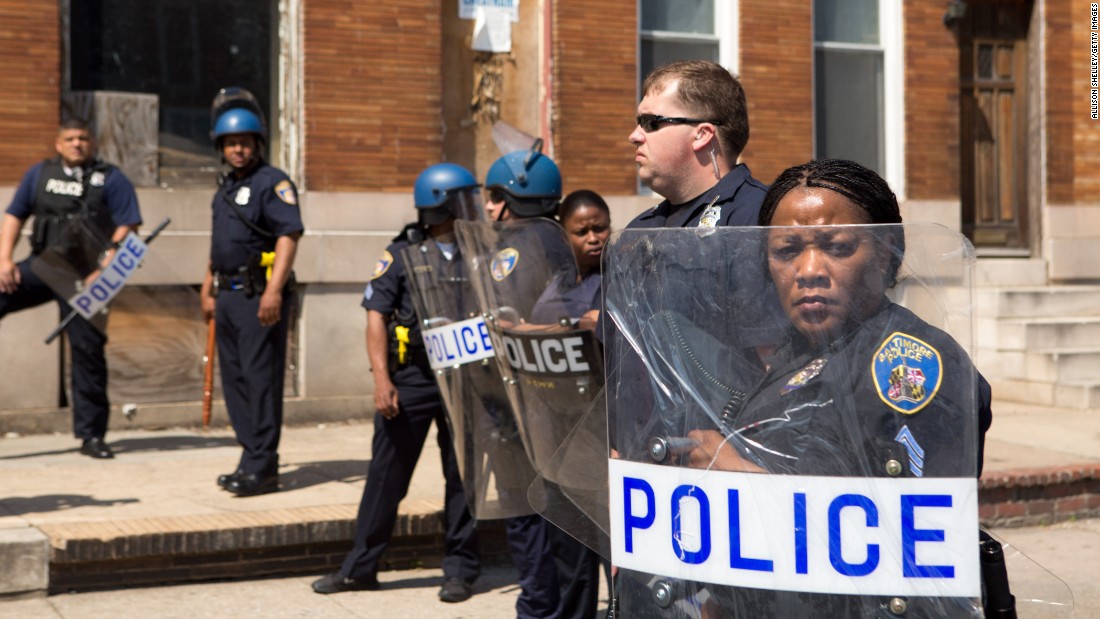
(558, 575)
(692, 126)
(60, 192)
(248, 288)
(407, 399)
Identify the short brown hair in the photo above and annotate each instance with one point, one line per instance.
(707, 90)
(74, 123)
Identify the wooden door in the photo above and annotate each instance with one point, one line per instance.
(993, 122)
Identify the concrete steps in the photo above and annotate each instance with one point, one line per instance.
(1036, 343)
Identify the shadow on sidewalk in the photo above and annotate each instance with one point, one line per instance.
(308, 474)
(136, 445)
(20, 505)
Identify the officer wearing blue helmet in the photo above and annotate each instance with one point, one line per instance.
(558, 575)
(248, 287)
(406, 396)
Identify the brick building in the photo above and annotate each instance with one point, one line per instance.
(977, 112)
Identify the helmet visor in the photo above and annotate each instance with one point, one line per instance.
(466, 204)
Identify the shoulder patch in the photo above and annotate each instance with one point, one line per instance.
(383, 264)
(286, 193)
(907, 372)
(504, 263)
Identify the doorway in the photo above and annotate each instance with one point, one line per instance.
(993, 122)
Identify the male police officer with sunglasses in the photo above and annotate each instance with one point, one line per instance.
(692, 126)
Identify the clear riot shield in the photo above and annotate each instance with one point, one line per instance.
(528, 288)
(494, 466)
(70, 266)
(76, 268)
(792, 440)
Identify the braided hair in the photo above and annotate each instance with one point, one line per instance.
(861, 186)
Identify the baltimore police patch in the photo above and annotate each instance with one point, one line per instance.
(907, 372)
(383, 264)
(286, 192)
(504, 263)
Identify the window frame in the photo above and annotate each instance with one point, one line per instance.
(892, 47)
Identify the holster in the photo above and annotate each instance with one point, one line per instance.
(405, 346)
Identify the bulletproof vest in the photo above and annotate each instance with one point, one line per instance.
(61, 199)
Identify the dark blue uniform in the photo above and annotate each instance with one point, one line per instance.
(51, 187)
(252, 357)
(931, 399)
(733, 201)
(398, 441)
(737, 197)
(567, 298)
(578, 565)
(895, 390)
(558, 575)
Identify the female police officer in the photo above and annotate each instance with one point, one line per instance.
(860, 386)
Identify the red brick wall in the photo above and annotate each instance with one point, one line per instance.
(595, 86)
(373, 91)
(931, 104)
(1086, 132)
(1059, 99)
(777, 72)
(30, 84)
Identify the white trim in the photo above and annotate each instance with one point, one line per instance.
(892, 37)
(849, 47)
(727, 26)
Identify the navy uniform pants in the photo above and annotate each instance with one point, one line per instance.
(253, 361)
(91, 408)
(395, 448)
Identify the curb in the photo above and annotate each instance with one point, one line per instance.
(1029, 497)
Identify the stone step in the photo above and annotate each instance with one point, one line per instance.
(1053, 365)
(1079, 395)
(1004, 272)
(1033, 333)
(1038, 302)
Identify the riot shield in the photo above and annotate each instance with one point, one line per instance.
(494, 467)
(792, 440)
(528, 288)
(76, 269)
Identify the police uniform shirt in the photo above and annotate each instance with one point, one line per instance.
(118, 194)
(268, 199)
(388, 294)
(734, 201)
(538, 252)
(894, 390)
(567, 298)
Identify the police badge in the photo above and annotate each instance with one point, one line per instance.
(804, 375)
(711, 214)
(243, 194)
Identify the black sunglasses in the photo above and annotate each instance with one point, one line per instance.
(496, 195)
(652, 122)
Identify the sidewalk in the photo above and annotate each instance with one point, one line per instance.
(155, 515)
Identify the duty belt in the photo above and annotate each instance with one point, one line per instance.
(230, 282)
